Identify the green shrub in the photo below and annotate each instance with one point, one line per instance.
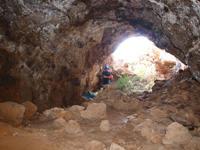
(122, 82)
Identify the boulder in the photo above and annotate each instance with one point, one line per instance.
(93, 145)
(76, 111)
(72, 127)
(59, 123)
(115, 146)
(151, 130)
(105, 126)
(30, 109)
(94, 111)
(54, 113)
(176, 136)
(12, 112)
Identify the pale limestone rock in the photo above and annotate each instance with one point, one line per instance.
(76, 111)
(54, 113)
(59, 123)
(105, 126)
(12, 112)
(95, 111)
(72, 127)
(30, 109)
(115, 146)
(176, 136)
(93, 145)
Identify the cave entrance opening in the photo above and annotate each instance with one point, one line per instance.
(137, 63)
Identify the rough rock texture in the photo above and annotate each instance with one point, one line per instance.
(95, 111)
(51, 51)
(176, 136)
(30, 109)
(105, 126)
(12, 112)
(72, 127)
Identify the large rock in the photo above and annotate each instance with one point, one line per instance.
(72, 127)
(176, 136)
(95, 111)
(30, 109)
(105, 125)
(54, 113)
(151, 130)
(59, 123)
(12, 112)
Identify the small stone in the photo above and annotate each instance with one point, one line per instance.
(72, 127)
(95, 111)
(93, 145)
(30, 109)
(105, 126)
(12, 112)
(176, 136)
(59, 123)
(115, 146)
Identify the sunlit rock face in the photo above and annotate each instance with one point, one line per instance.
(51, 51)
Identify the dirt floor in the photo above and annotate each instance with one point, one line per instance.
(166, 119)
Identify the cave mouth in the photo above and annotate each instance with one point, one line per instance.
(138, 62)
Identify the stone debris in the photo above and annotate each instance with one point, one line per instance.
(105, 126)
(95, 111)
(93, 145)
(12, 112)
(72, 126)
(176, 136)
(30, 109)
(115, 146)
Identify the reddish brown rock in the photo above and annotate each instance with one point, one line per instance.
(12, 112)
(30, 109)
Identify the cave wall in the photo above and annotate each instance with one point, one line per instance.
(51, 51)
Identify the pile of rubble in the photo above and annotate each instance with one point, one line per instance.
(166, 119)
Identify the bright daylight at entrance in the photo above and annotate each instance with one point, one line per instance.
(139, 63)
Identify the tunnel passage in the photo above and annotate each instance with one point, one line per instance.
(54, 49)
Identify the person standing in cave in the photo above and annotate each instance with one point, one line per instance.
(107, 75)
